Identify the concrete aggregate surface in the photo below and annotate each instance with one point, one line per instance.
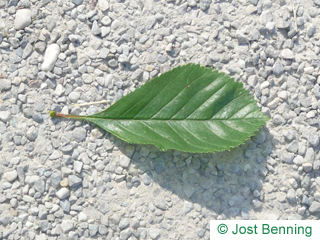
(66, 179)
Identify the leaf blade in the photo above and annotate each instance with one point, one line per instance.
(190, 108)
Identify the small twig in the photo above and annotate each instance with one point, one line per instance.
(91, 103)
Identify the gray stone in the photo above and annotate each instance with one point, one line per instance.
(87, 78)
(124, 223)
(278, 119)
(63, 193)
(30, 180)
(79, 134)
(205, 4)
(313, 139)
(77, 2)
(236, 201)
(55, 155)
(277, 68)
(307, 167)
(281, 24)
(270, 26)
(113, 63)
(44, 225)
(93, 229)
(74, 181)
(315, 207)
(65, 205)
(55, 179)
(257, 204)
(187, 207)
(164, 31)
(159, 165)
(5, 85)
(311, 29)
(289, 135)
(40, 186)
(74, 97)
(99, 165)
(103, 230)
(291, 196)
(146, 179)
(306, 182)
(293, 147)
(265, 17)
(37, 117)
(125, 234)
(241, 38)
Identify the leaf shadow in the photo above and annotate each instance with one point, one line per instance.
(229, 184)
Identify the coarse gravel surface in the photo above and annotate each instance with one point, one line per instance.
(65, 179)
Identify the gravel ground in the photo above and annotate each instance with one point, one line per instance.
(63, 179)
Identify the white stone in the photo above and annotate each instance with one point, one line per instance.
(50, 57)
(23, 19)
(5, 116)
(124, 161)
(10, 176)
(63, 193)
(287, 54)
(30, 180)
(82, 217)
(154, 232)
(67, 225)
(264, 85)
(103, 5)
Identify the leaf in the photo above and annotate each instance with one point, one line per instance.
(189, 108)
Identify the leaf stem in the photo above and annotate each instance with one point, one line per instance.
(60, 115)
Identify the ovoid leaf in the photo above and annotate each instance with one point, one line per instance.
(189, 108)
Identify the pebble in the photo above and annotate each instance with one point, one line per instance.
(95, 30)
(32, 133)
(277, 68)
(124, 161)
(5, 116)
(315, 207)
(311, 29)
(39, 186)
(50, 57)
(146, 179)
(313, 140)
(74, 181)
(5, 85)
(11, 175)
(63, 193)
(79, 134)
(287, 54)
(67, 225)
(154, 232)
(265, 17)
(22, 19)
(103, 5)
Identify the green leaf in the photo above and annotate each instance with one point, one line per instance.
(189, 108)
